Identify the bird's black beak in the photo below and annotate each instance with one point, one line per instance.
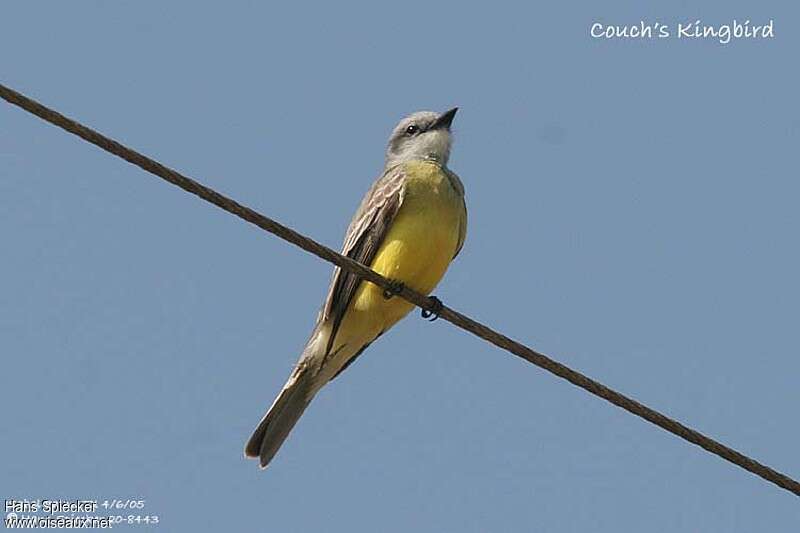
(444, 120)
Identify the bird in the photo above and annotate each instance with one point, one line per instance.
(409, 226)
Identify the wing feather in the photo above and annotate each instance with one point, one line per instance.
(455, 182)
(363, 238)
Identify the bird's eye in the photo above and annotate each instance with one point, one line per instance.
(412, 129)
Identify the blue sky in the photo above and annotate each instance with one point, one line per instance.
(633, 213)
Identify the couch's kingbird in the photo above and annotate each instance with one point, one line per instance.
(409, 226)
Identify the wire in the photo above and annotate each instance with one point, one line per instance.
(456, 318)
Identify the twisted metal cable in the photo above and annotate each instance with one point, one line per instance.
(462, 321)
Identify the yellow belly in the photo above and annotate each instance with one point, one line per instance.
(417, 251)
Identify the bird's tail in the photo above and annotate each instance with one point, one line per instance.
(290, 404)
(281, 417)
(297, 393)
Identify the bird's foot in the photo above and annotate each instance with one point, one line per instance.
(395, 287)
(433, 312)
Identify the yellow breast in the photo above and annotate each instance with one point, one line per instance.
(420, 243)
(417, 249)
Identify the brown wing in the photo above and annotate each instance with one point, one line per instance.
(362, 240)
(455, 182)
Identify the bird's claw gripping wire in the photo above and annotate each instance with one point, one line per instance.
(434, 310)
(395, 288)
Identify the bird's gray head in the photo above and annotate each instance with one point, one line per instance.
(423, 135)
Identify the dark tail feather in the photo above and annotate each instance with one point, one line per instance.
(281, 418)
